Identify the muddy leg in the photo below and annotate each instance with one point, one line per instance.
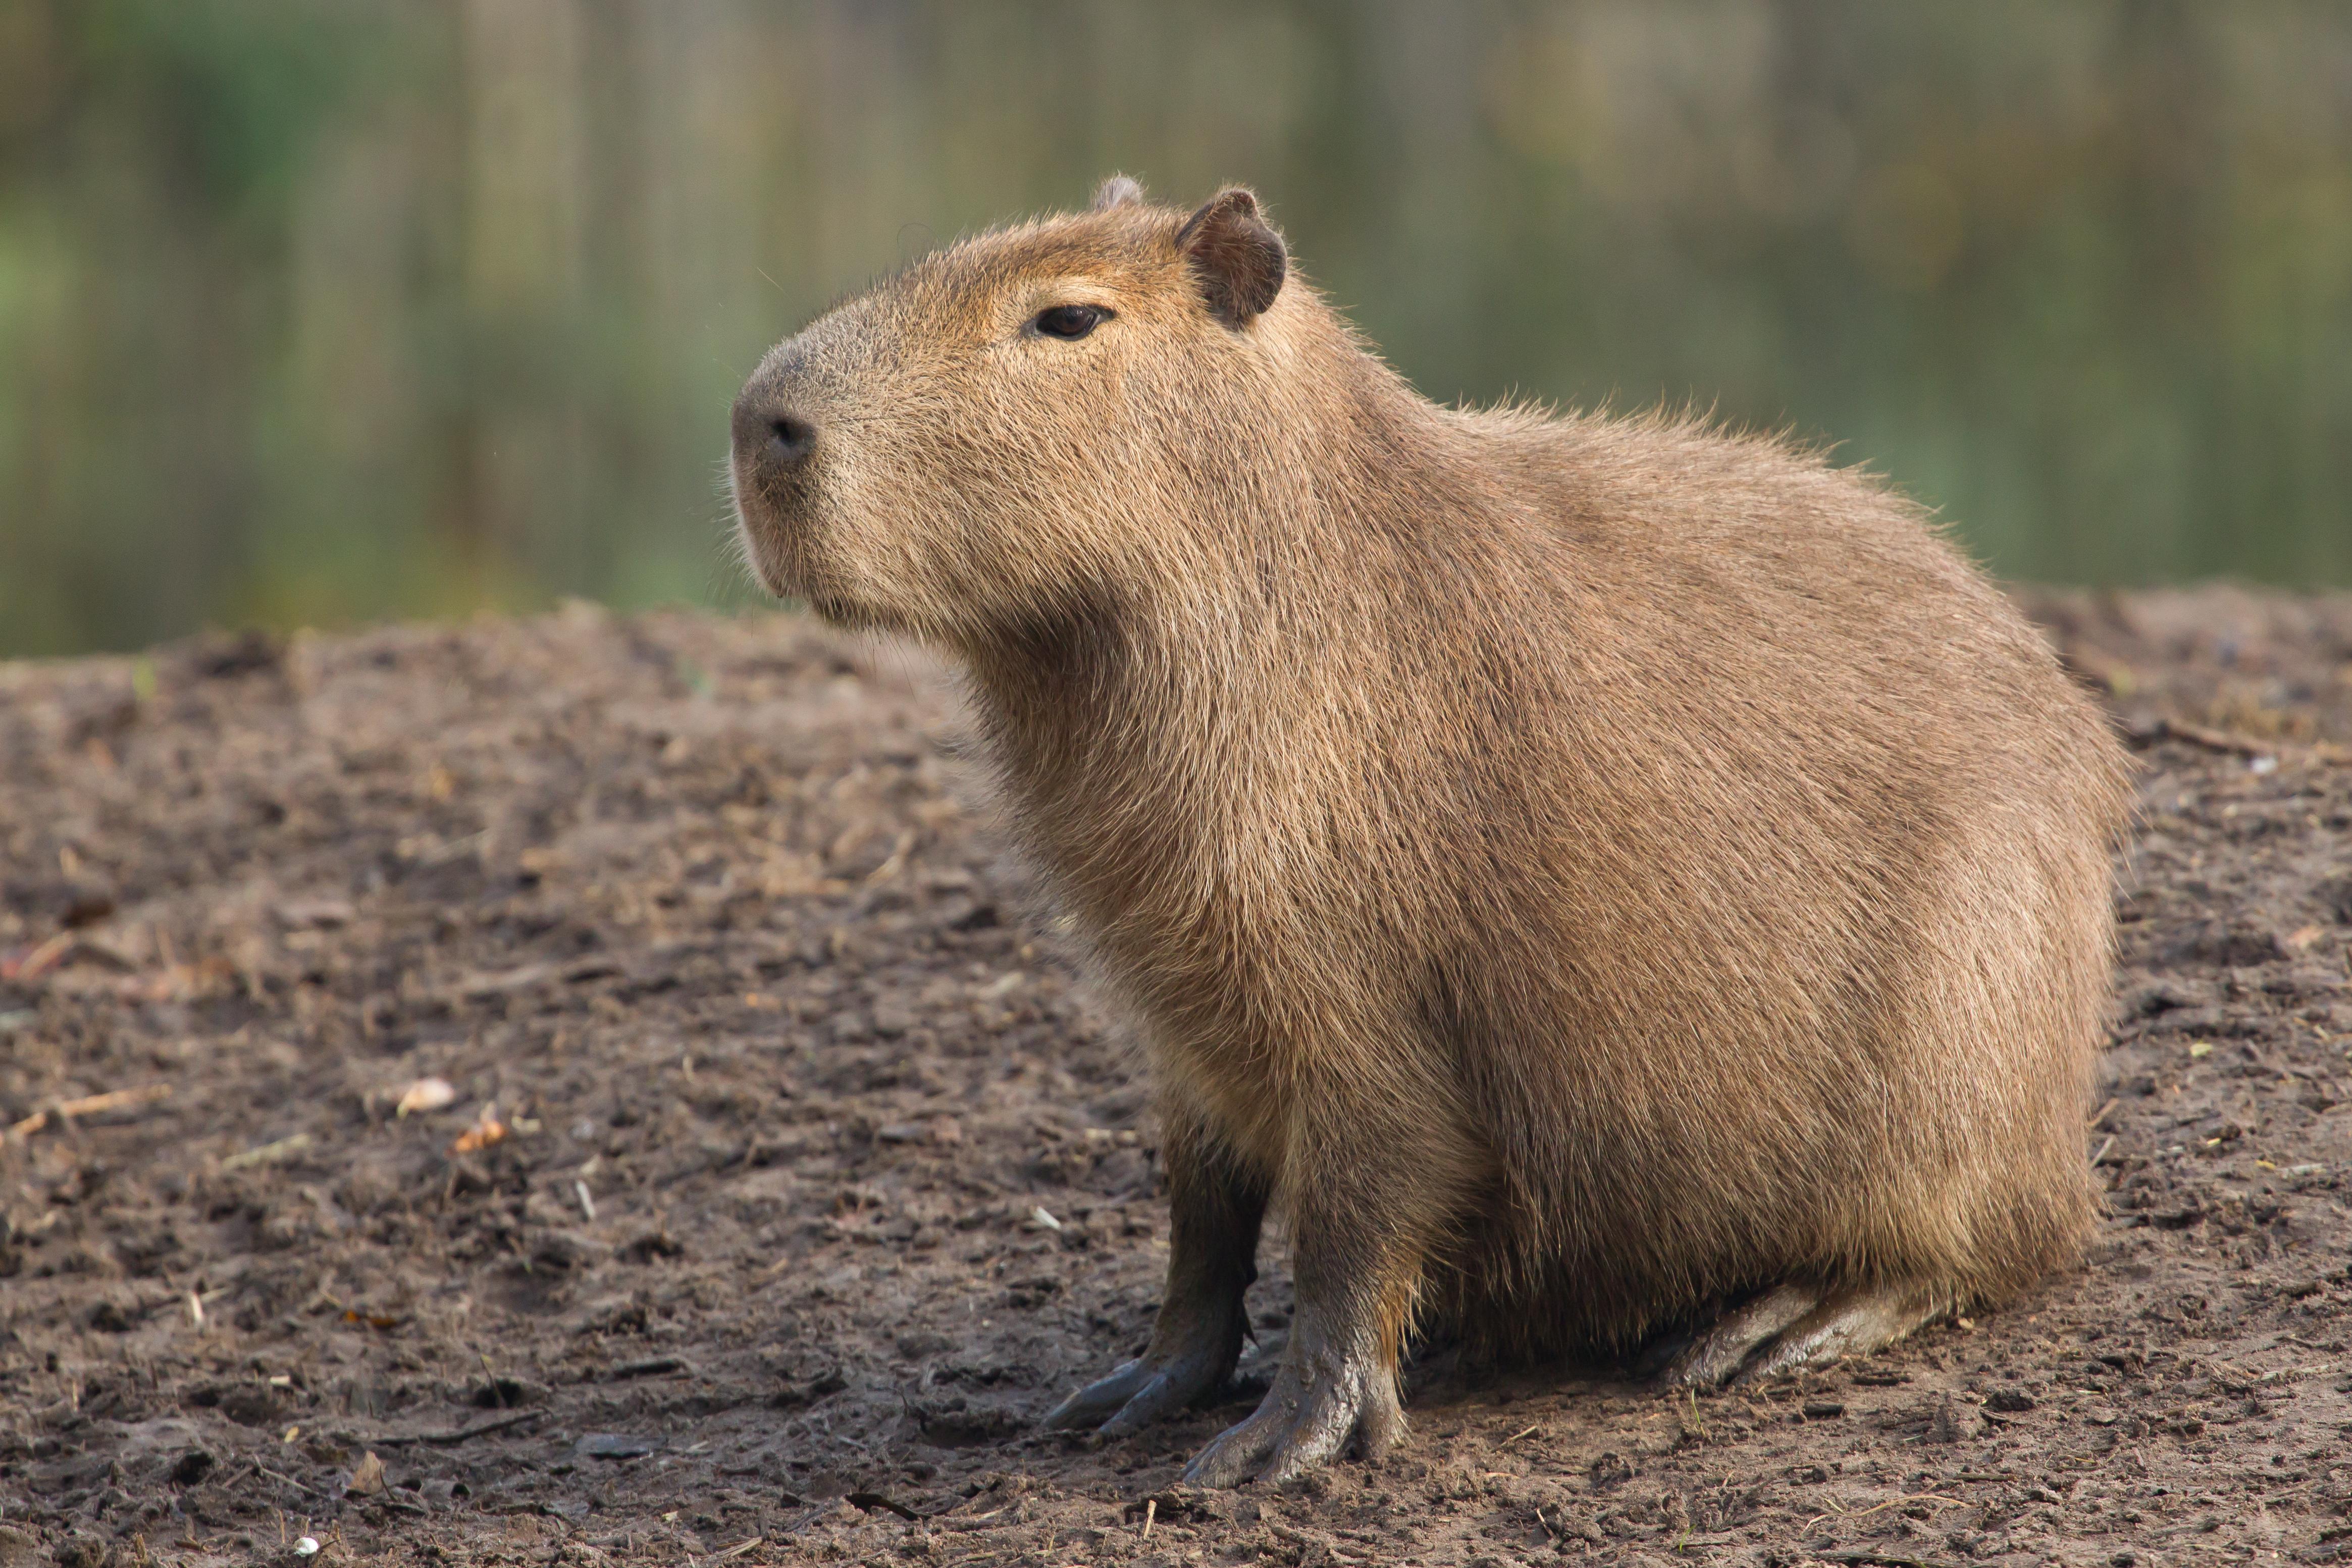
(1216, 1210)
(1363, 1229)
(1715, 1353)
(1850, 1323)
(1795, 1325)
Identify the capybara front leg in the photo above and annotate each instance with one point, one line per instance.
(1215, 1211)
(1361, 1229)
(1337, 1381)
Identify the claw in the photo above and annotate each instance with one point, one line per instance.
(1852, 1323)
(1792, 1326)
(1166, 1393)
(1305, 1420)
(1711, 1357)
(1189, 1357)
(1098, 1399)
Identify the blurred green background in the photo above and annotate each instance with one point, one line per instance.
(313, 312)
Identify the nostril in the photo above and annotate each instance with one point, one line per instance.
(790, 440)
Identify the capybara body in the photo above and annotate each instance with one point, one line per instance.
(1589, 874)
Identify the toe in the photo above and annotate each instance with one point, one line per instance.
(1233, 1456)
(1361, 1402)
(1313, 1441)
(1660, 1354)
(1178, 1381)
(1852, 1323)
(1152, 1401)
(1096, 1401)
(1381, 1424)
(1718, 1354)
(1300, 1429)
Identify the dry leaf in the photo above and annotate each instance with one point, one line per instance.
(425, 1094)
(2306, 938)
(367, 1476)
(179, 982)
(486, 1131)
(314, 914)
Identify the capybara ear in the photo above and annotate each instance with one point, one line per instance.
(1119, 191)
(1235, 254)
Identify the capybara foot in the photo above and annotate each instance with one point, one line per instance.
(1849, 1323)
(1191, 1352)
(1320, 1399)
(1792, 1326)
(1715, 1353)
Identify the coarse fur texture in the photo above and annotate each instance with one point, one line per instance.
(1586, 872)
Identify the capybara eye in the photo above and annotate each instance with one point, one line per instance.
(1070, 322)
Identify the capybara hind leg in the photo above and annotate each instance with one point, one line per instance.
(1850, 1323)
(1216, 1212)
(1718, 1351)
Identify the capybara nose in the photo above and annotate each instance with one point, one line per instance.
(789, 441)
(770, 437)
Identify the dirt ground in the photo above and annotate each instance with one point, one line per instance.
(820, 1178)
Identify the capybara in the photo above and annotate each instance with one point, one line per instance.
(1605, 881)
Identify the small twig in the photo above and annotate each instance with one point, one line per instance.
(1150, 1512)
(91, 1105)
(1840, 1513)
(267, 1153)
(2240, 746)
(869, 1501)
(462, 1434)
(2246, 1379)
(2213, 739)
(654, 1368)
(38, 961)
(976, 1521)
(2092, 1125)
(1517, 1436)
(2103, 1149)
(490, 1373)
(290, 1480)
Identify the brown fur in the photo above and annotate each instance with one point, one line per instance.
(1586, 870)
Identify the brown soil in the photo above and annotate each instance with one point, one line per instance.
(692, 903)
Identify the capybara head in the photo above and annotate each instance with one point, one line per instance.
(965, 451)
